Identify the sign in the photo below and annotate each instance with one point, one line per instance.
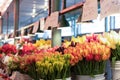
(54, 17)
(42, 23)
(90, 10)
(109, 7)
(52, 20)
(47, 23)
(35, 27)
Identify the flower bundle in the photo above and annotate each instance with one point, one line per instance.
(48, 65)
(89, 57)
(28, 48)
(54, 66)
(43, 43)
(9, 49)
(25, 64)
(112, 40)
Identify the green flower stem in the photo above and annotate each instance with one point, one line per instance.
(64, 76)
(90, 67)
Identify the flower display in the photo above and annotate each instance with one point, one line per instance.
(90, 51)
(112, 39)
(55, 66)
(89, 57)
(9, 49)
(25, 64)
(46, 65)
(43, 44)
(84, 55)
(74, 40)
(28, 48)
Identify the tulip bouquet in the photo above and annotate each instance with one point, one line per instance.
(43, 44)
(89, 57)
(47, 65)
(25, 64)
(112, 40)
(27, 49)
(54, 66)
(9, 49)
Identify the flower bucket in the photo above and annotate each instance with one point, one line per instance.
(116, 71)
(85, 77)
(65, 79)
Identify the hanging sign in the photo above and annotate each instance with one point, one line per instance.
(47, 23)
(54, 17)
(90, 10)
(42, 23)
(109, 7)
(35, 27)
(52, 20)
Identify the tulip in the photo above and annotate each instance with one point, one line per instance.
(97, 57)
(89, 57)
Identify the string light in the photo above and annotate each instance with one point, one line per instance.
(34, 9)
(46, 5)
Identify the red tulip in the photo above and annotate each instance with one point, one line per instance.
(89, 57)
(97, 57)
(9, 49)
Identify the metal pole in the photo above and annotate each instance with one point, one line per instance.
(7, 21)
(1, 25)
(108, 66)
(112, 22)
(106, 24)
(16, 17)
(56, 34)
(49, 10)
(63, 4)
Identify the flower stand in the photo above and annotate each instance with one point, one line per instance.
(116, 71)
(85, 77)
